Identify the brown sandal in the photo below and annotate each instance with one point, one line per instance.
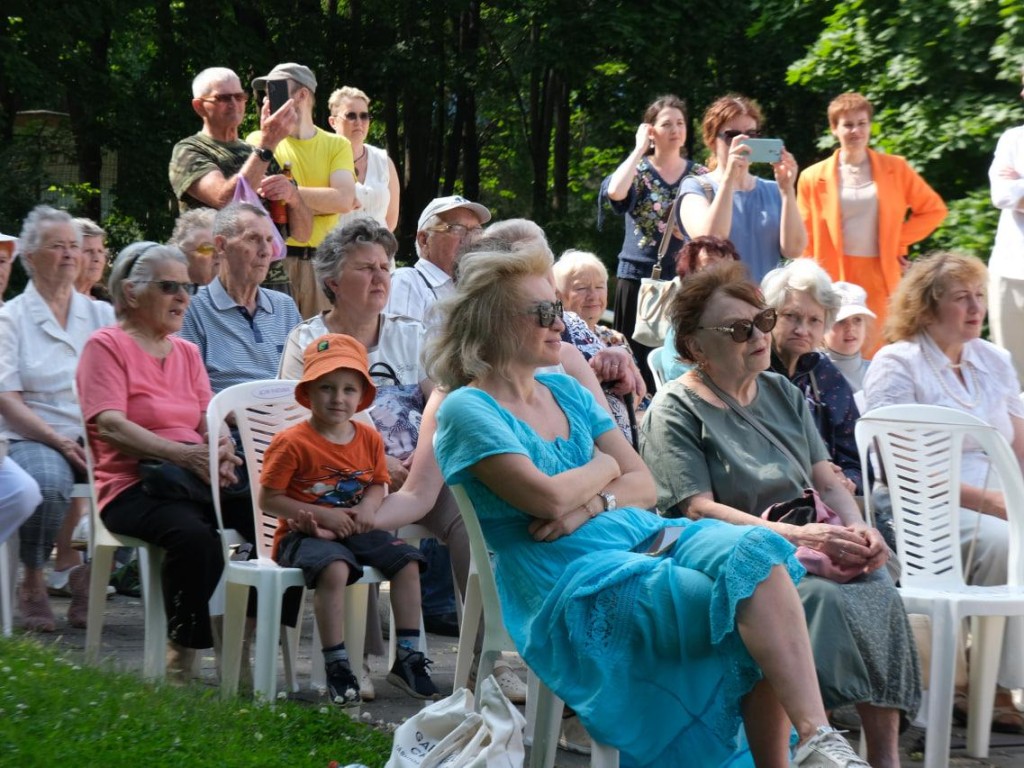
(1007, 720)
(35, 611)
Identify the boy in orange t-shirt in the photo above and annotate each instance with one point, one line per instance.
(325, 478)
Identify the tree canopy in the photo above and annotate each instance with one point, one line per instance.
(525, 105)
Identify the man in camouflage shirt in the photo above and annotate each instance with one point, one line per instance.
(206, 166)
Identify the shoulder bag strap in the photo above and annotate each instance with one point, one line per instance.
(756, 424)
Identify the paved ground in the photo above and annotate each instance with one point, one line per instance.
(122, 647)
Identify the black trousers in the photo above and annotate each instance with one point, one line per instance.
(194, 561)
(627, 292)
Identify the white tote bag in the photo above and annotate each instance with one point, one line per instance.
(449, 734)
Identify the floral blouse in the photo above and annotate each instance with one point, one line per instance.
(646, 208)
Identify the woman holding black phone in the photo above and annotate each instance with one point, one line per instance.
(643, 189)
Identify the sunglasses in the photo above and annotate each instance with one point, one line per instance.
(353, 116)
(732, 134)
(171, 287)
(206, 249)
(547, 312)
(226, 98)
(742, 330)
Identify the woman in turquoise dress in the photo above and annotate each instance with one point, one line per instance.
(665, 657)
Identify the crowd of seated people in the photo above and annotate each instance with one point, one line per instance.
(487, 365)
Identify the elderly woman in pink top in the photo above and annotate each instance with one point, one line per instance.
(144, 393)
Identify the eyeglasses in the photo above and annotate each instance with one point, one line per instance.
(731, 134)
(206, 249)
(547, 312)
(353, 116)
(226, 98)
(460, 230)
(171, 287)
(742, 330)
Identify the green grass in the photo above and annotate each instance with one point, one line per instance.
(55, 711)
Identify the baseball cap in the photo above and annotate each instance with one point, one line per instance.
(326, 355)
(300, 74)
(441, 205)
(854, 301)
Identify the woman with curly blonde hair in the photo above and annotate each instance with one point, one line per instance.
(939, 358)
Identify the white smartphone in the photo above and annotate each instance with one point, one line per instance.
(764, 150)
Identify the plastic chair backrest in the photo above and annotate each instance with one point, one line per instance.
(920, 449)
(261, 410)
(654, 363)
(493, 620)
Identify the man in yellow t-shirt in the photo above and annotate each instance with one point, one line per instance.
(322, 167)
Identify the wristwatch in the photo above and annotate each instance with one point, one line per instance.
(264, 154)
(609, 501)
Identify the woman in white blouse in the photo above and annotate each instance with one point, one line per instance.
(938, 358)
(377, 187)
(42, 333)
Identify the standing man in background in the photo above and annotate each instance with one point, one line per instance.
(322, 167)
(205, 167)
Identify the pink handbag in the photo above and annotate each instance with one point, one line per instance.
(809, 508)
(244, 193)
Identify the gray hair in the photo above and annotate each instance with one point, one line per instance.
(805, 276)
(512, 234)
(136, 264)
(345, 92)
(189, 222)
(573, 262)
(31, 237)
(342, 242)
(430, 223)
(227, 222)
(473, 333)
(89, 228)
(205, 80)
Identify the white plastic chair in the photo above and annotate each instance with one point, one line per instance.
(7, 576)
(102, 546)
(919, 448)
(262, 409)
(654, 363)
(543, 708)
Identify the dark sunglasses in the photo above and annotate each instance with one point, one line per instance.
(171, 287)
(742, 330)
(729, 135)
(353, 116)
(547, 312)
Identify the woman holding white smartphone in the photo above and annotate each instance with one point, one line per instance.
(760, 217)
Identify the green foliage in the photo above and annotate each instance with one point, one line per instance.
(488, 93)
(55, 712)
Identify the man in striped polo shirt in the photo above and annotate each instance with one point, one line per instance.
(239, 327)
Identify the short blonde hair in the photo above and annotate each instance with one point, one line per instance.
(572, 263)
(916, 301)
(850, 101)
(345, 92)
(474, 336)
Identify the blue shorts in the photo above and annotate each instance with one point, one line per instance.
(377, 549)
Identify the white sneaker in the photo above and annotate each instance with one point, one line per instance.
(574, 737)
(510, 683)
(366, 692)
(827, 749)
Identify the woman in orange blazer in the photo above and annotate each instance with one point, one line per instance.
(862, 210)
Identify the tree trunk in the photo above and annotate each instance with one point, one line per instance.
(560, 195)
